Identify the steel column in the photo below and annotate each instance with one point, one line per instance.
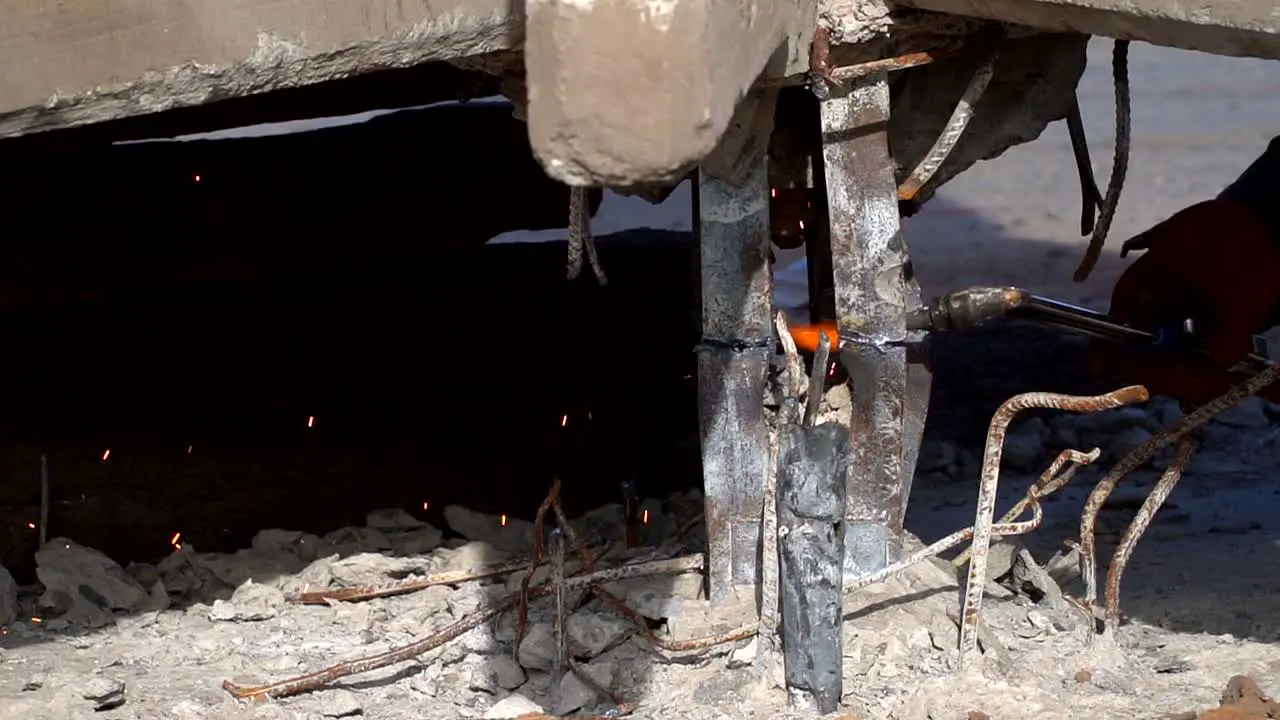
(737, 340)
(874, 288)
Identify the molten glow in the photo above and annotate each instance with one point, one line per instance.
(503, 520)
(311, 421)
(644, 517)
(106, 454)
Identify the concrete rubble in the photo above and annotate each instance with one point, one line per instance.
(147, 641)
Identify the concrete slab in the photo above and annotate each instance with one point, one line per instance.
(621, 92)
(1242, 28)
(72, 62)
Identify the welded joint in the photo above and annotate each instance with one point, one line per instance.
(734, 351)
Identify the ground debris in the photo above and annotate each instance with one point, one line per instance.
(651, 646)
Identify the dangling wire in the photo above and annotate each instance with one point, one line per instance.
(580, 236)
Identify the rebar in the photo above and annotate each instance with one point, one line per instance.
(1160, 493)
(1140, 455)
(952, 131)
(1119, 162)
(1052, 480)
(982, 526)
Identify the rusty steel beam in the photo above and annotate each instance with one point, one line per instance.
(733, 357)
(874, 288)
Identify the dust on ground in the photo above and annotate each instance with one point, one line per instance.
(152, 641)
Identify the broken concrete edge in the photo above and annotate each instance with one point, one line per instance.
(1238, 28)
(625, 92)
(276, 63)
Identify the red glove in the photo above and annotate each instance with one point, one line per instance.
(1216, 263)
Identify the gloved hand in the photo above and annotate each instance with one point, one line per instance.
(1215, 262)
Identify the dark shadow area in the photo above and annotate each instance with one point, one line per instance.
(290, 331)
(221, 337)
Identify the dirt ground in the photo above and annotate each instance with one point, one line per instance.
(154, 629)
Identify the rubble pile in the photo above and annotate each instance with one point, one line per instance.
(95, 639)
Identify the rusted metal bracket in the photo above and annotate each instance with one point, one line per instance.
(737, 342)
(874, 289)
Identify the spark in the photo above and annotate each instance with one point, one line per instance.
(564, 420)
(31, 525)
(311, 421)
(802, 226)
(36, 620)
(190, 448)
(773, 192)
(504, 521)
(174, 541)
(644, 516)
(196, 177)
(426, 505)
(106, 454)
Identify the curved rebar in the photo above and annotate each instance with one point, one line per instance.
(951, 132)
(1160, 493)
(1140, 455)
(1090, 197)
(983, 523)
(1119, 162)
(1051, 481)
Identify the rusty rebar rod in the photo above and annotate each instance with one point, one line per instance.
(952, 131)
(1140, 455)
(982, 526)
(843, 74)
(312, 681)
(1053, 479)
(1168, 481)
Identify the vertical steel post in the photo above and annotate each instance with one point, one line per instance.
(874, 288)
(737, 340)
